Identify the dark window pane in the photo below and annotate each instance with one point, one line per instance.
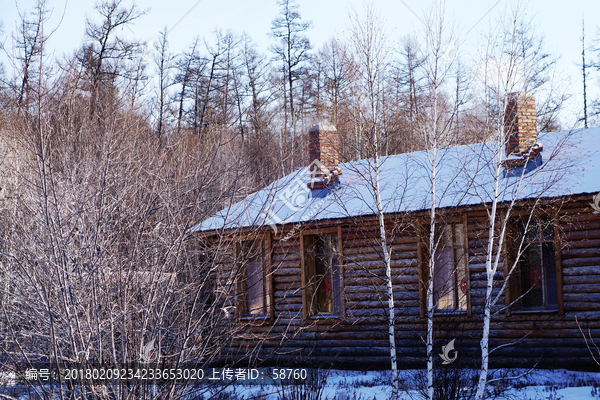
(255, 284)
(550, 274)
(443, 279)
(334, 244)
(547, 228)
(531, 277)
(325, 280)
(321, 246)
(458, 235)
(460, 261)
(337, 285)
(531, 227)
(324, 285)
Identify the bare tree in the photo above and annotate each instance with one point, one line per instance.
(434, 121)
(106, 55)
(370, 63)
(507, 182)
(584, 74)
(185, 67)
(291, 49)
(95, 235)
(29, 44)
(164, 65)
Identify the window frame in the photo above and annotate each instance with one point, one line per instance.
(513, 291)
(423, 256)
(308, 309)
(241, 300)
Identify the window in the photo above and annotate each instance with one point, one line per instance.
(322, 276)
(533, 284)
(253, 289)
(450, 271)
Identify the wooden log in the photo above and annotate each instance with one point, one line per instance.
(380, 296)
(581, 234)
(286, 294)
(476, 267)
(478, 258)
(578, 217)
(595, 243)
(288, 303)
(285, 279)
(581, 297)
(578, 270)
(286, 271)
(285, 265)
(354, 305)
(580, 306)
(482, 292)
(288, 319)
(537, 352)
(581, 279)
(349, 250)
(278, 257)
(581, 225)
(481, 284)
(296, 288)
(379, 264)
(481, 244)
(293, 242)
(363, 257)
(581, 288)
(374, 273)
(396, 280)
(380, 288)
(580, 253)
(376, 308)
(482, 276)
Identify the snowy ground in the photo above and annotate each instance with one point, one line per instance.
(354, 385)
(375, 385)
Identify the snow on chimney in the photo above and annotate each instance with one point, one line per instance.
(324, 155)
(520, 124)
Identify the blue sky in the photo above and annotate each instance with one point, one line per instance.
(558, 21)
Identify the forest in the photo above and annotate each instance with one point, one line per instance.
(109, 155)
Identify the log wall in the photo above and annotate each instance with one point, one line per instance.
(358, 337)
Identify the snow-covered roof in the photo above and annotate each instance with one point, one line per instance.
(570, 164)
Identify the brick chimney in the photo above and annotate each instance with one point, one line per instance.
(323, 149)
(520, 124)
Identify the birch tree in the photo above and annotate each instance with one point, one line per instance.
(371, 57)
(434, 119)
(506, 75)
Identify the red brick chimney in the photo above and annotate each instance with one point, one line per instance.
(324, 155)
(520, 123)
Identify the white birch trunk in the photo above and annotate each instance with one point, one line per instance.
(388, 276)
(484, 344)
(490, 268)
(431, 264)
(430, 312)
(433, 159)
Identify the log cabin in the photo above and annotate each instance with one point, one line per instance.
(303, 278)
